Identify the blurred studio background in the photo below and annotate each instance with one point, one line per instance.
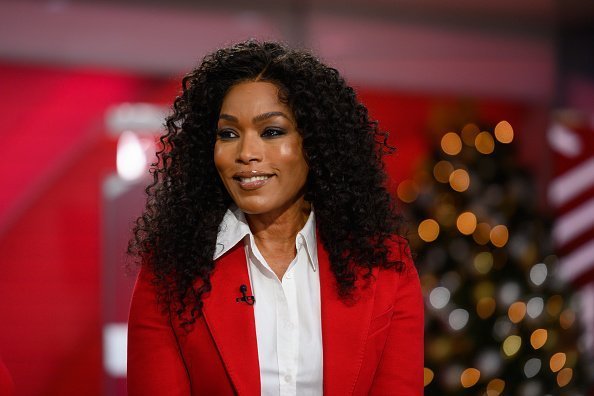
(489, 103)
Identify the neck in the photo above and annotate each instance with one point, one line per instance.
(280, 226)
(275, 235)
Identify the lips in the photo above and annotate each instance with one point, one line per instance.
(252, 180)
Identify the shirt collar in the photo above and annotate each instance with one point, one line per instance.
(234, 228)
(308, 232)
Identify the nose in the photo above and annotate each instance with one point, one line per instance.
(250, 148)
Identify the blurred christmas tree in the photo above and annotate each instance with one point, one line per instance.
(497, 321)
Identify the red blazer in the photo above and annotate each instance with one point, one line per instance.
(371, 347)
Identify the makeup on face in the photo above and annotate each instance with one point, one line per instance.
(258, 151)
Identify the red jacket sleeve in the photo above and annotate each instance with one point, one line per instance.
(400, 371)
(155, 365)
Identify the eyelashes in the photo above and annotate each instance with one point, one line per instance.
(226, 134)
(273, 132)
(267, 133)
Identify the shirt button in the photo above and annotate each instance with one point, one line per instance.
(288, 378)
(289, 325)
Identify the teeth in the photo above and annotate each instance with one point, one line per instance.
(253, 179)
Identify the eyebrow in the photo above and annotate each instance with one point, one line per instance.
(258, 118)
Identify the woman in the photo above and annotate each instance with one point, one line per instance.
(270, 260)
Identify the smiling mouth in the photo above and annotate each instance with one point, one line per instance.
(252, 182)
(252, 178)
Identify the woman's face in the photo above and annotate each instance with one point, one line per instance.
(258, 151)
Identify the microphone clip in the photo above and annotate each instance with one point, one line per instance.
(249, 300)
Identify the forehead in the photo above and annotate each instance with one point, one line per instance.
(253, 97)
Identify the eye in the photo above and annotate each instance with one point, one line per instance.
(272, 132)
(226, 134)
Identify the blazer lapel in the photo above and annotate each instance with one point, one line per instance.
(232, 323)
(344, 329)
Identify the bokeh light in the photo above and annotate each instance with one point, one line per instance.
(482, 233)
(439, 297)
(538, 274)
(567, 318)
(516, 311)
(499, 235)
(495, 387)
(508, 293)
(131, 157)
(557, 361)
(483, 289)
(511, 345)
(504, 132)
(459, 180)
(532, 367)
(554, 305)
(442, 171)
(469, 133)
(485, 307)
(428, 230)
(531, 388)
(538, 338)
(484, 143)
(534, 307)
(451, 143)
(466, 223)
(458, 318)
(427, 376)
(407, 191)
(470, 377)
(483, 262)
(564, 376)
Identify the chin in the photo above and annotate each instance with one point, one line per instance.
(263, 204)
(254, 208)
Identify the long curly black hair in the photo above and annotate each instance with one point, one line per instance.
(355, 215)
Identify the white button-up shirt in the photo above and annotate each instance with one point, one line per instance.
(287, 311)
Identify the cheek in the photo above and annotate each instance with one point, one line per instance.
(219, 157)
(291, 151)
(222, 165)
(221, 162)
(291, 154)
